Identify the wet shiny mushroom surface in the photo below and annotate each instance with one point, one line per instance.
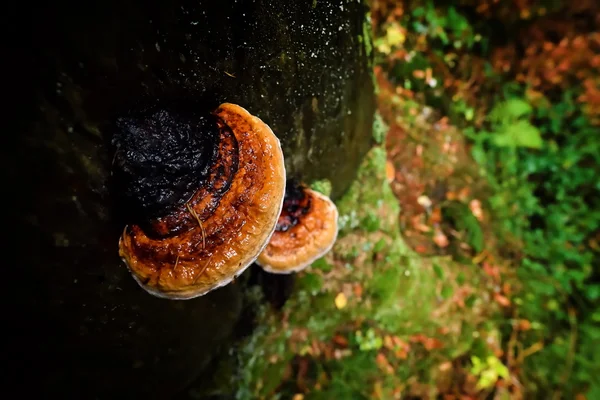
(306, 230)
(219, 231)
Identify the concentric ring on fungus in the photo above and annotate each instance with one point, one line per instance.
(306, 230)
(206, 242)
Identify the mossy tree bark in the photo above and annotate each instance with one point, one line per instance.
(301, 66)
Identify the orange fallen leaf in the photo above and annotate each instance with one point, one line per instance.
(400, 343)
(390, 171)
(444, 330)
(358, 290)
(420, 248)
(475, 206)
(436, 215)
(384, 364)
(401, 354)
(440, 239)
(419, 74)
(401, 348)
(523, 325)
(491, 270)
(427, 342)
(340, 341)
(445, 366)
(502, 300)
(464, 193)
(432, 344)
(418, 225)
(388, 343)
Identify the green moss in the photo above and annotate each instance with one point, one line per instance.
(367, 37)
(369, 195)
(400, 292)
(380, 129)
(322, 186)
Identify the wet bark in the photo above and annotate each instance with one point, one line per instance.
(301, 66)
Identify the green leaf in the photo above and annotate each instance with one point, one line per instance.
(446, 292)
(418, 12)
(510, 110)
(439, 272)
(519, 134)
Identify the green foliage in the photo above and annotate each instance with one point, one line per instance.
(369, 340)
(511, 126)
(541, 157)
(545, 178)
(448, 26)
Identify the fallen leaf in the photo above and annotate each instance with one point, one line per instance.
(420, 248)
(401, 354)
(445, 366)
(432, 344)
(502, 300)
(424, 201)
(436, 215)
(341, 301)
(358, 290)
(418, 225)
(419, 74)
(444, 330)
(475, 206)
(427, 342)
(384, 364)
(523, 325)
(440, 239)
(491, 270)
(388, 343)
(390, 171)
(340, 341)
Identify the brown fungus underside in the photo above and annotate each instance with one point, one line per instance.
(213, 237)
(306, 230)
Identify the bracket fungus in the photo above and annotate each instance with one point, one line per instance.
(306, 230)
(208, 191)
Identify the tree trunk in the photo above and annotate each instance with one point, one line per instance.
(303, 67)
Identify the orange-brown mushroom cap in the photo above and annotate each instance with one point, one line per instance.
(222, 229)
(306, 230)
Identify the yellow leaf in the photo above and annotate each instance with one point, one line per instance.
(341, 301)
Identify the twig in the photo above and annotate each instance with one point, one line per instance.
(203, 269)
(195, 215)
(176, 261)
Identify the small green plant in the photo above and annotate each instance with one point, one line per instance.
(368, 341)
(488, 371)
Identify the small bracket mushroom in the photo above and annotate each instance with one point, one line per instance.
(306, 230)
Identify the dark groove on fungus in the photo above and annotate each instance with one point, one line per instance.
(296, 203)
